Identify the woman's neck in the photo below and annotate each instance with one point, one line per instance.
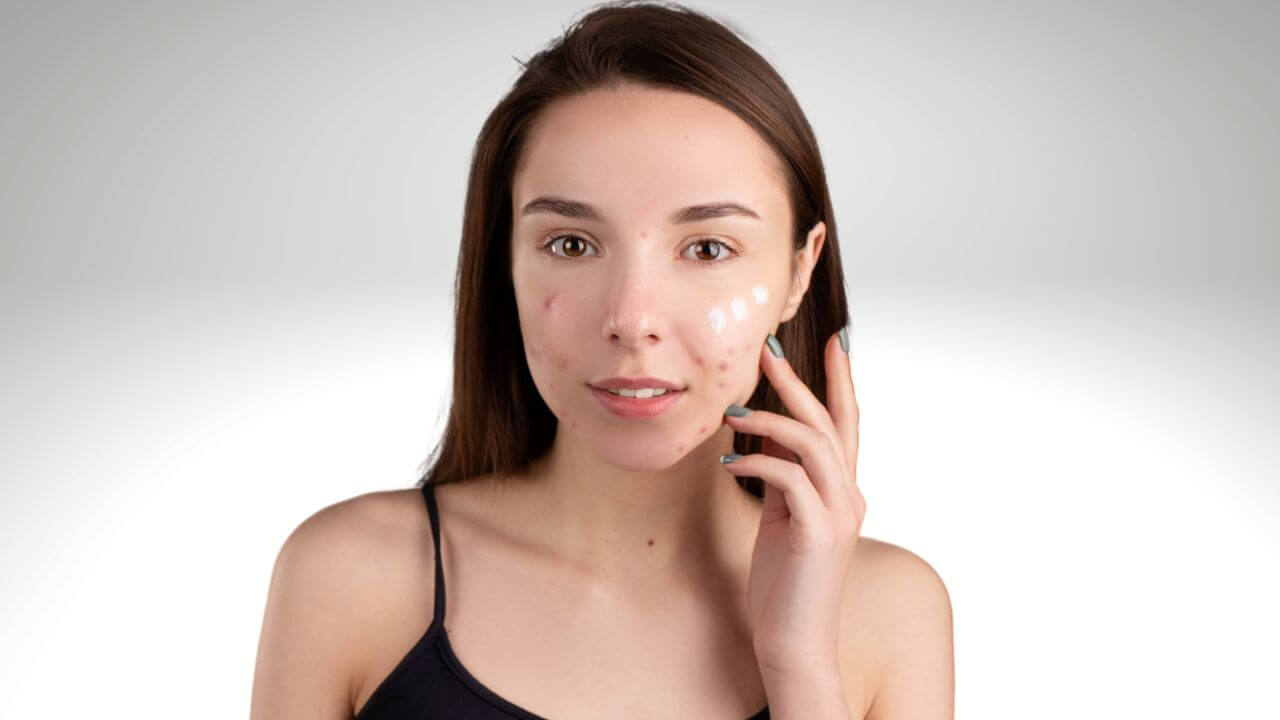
(618, 526)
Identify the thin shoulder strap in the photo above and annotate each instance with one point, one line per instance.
(428, 491)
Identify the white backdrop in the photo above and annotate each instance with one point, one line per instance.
(227, 241)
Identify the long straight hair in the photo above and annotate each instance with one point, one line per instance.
(498, 422)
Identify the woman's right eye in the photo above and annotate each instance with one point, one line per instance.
(574, 246)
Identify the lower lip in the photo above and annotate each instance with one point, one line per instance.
(636, 408)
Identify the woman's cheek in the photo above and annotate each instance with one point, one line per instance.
(736, 325)
(547, 364)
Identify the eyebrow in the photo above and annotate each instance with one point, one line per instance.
(692, 213)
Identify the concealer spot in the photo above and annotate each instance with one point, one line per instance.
(739, 308)
(761, 294)
(716, 319)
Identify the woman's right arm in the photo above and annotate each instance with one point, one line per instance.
(306, 652)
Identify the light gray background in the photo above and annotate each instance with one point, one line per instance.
(229, 236)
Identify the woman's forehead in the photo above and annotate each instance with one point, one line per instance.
(648, 152)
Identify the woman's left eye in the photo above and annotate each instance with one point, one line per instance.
(721, 255)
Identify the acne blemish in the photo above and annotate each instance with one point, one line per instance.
(650, 542)
(761, 294)
(702, 429)
(716, 319)
(549, 305)
(724, 365)
(697, 360)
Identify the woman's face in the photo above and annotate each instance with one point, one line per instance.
(614, 278)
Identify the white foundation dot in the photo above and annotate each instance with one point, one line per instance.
(739, 308)
(716, 319)
(761, 294)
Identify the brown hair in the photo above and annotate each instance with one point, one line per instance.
(498, 422)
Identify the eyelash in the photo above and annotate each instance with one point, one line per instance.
(733, 253)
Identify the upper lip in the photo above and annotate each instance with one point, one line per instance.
(615, 383)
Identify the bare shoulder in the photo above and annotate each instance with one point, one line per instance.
(898, 629)
(348, 575)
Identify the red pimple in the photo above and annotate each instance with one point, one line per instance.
(724, 365)
(722, 385)
(680, 449)
(697, 359)
(702, 429)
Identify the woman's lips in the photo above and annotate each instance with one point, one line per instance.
(636, 408)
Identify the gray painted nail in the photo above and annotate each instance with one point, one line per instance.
(775, 347)
(737, 411)
(724, 459)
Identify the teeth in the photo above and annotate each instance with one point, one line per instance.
(641, 393)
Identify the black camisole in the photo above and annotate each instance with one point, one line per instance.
(430, 681)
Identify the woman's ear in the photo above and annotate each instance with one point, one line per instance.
(806, 258)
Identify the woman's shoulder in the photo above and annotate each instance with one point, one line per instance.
(891, 562)
(892, 582)
(363, 545)
(897, 618)
(364, 569)
(349, 533)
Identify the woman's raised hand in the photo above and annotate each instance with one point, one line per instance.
(812, 514)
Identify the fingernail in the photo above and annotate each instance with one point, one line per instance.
(725, 459)
(774, 346)
(844, 340)
(737, 411)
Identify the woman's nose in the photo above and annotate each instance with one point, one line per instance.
(636, 301)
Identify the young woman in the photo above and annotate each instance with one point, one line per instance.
(644, 503)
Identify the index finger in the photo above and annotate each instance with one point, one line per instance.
(842, 402)
(796, 396)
